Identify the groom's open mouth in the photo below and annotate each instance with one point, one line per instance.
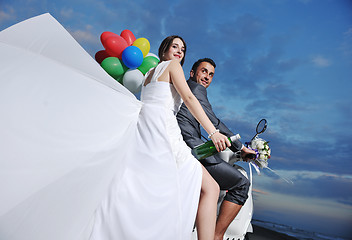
(204, 82)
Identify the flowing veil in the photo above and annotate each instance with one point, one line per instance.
(64, 128)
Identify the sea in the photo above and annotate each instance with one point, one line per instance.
(295, 232)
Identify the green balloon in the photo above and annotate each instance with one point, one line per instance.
(119, 79)
(148, 63)
(114, 67)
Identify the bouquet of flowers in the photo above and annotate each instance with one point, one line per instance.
(263, 151)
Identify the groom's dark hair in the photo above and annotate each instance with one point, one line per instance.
(196, 64)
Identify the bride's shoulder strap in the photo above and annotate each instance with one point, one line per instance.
(162, 66)
(148, 76)
(154, 73)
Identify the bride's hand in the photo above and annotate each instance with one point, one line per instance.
(220, 141)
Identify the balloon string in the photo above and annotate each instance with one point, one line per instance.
(259, 173)
(287, 180)
(255, 167)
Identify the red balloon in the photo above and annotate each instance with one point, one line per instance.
(114, 45)
(128, 36)
(101, 55)
(105, 35)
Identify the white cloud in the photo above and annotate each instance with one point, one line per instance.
(85, 35)
(349, 32)
(321, 61)
(346, 45)
(9, 13)
(294, 174)
(67, 13)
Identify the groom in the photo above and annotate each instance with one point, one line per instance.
(228, 177)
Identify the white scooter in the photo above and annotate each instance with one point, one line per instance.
(241, 225)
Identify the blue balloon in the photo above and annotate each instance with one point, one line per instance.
(132, 57)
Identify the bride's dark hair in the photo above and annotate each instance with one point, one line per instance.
(166, 43)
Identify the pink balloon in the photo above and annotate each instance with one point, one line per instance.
(114, 45)
(128, 36)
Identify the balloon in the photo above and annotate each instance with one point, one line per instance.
(148, 63)
(128, 36)
(120, 79)
(132, 57)
(114, 45)
(154, 55)
(101, 55)
(133, 80)
(105, 35)
(143, 44)
(114, 67)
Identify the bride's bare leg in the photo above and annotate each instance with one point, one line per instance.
(206, 215)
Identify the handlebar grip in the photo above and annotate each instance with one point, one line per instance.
(250, 156)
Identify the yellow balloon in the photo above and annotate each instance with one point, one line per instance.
(143, 44)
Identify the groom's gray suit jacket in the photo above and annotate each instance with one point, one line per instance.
(228, 177)
(190, 127)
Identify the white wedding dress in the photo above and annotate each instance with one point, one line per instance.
(80, 156)
(157, 197)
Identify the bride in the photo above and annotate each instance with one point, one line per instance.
(82, 159)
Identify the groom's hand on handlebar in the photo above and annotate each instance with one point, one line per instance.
(220, 141)
(247, 154)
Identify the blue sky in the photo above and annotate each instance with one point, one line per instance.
(289, 61)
